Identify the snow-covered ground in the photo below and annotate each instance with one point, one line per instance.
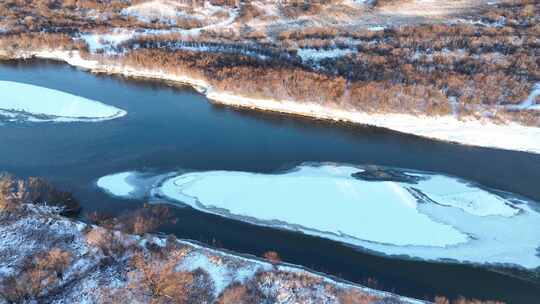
(212, 18)
(107, 41)
(421, 215)
(91, 272)
(19, 101)
(166, 11)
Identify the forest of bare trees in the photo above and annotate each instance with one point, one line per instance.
(407, 69)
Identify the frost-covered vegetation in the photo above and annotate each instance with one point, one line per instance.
(483, 57)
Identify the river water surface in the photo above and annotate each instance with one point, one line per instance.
(169, 128)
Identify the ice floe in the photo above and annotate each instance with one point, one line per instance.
(117, 184)
(132, 185)
(19, 101)
(389, 211)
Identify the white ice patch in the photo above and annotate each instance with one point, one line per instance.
(310, 54)
(117, 184)
(469, 198)
(376, 28)
(20, 101)
(433, 217)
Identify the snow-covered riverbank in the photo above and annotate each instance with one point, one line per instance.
(92, 275)
(511, 136)
(389, 211)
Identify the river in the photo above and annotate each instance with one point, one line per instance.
(169, 128)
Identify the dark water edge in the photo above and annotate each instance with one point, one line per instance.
(169, 128)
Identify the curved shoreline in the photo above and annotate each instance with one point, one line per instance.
(512, 137)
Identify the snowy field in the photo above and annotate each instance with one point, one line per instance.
(27, 102)
(390, 211)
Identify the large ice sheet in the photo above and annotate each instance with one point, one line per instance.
(327, 201)
(390, 211)
(35, 103)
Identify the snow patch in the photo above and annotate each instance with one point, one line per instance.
(107, 41)
(310, 54)
(169, 12)
(376, 28)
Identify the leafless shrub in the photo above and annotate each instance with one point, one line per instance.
(40, 272)
(272, 257)
(354, 296)
(34, 190)
(156, 280)
(238, 293)
(106, 241)
(138, 221)
(203, 287)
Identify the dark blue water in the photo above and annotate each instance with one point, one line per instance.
(168, 128)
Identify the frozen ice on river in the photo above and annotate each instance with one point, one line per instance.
(390, 211)
(19, 101)
(117, 184)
